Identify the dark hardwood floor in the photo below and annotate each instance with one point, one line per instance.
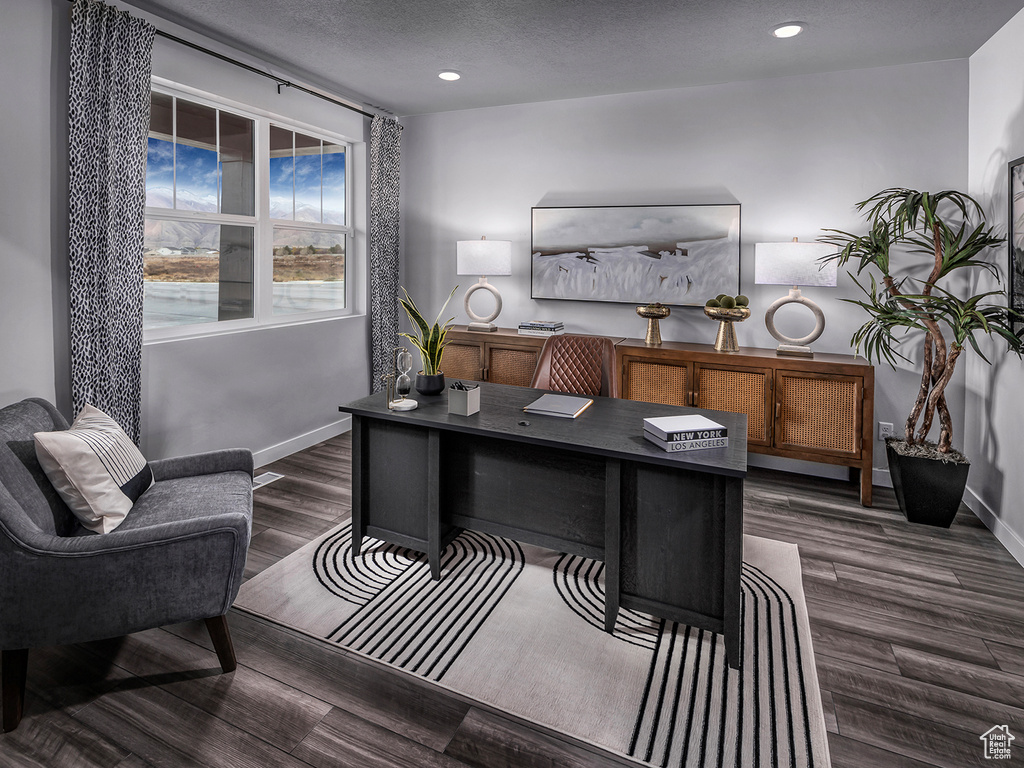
(918, 637)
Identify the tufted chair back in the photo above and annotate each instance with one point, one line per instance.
(581, 365)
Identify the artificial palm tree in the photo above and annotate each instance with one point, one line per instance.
(946, 233)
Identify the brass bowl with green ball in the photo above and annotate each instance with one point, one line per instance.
(726, 340)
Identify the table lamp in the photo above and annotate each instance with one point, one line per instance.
(484, 257)
(794, 264)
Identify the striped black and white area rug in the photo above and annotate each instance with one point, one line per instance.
(521, 629)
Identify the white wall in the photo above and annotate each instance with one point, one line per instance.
(272, 391)
(796, 152)
(995, 408)
(33, 197)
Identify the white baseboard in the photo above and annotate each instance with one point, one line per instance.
(880, 476)
(1003, 533)
(309, 439)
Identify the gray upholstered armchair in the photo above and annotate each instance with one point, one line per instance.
(178, 556)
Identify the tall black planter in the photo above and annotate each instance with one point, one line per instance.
(928, 491)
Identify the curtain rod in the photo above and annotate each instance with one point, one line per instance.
(281, 82)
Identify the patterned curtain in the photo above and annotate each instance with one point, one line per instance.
(385, 141)
(108, 117)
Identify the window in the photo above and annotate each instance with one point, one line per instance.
(307, 190)
(246, 218)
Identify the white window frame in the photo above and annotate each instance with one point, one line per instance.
(263, 226)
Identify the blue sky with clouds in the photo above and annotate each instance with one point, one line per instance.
(197, 176)
(309, 176)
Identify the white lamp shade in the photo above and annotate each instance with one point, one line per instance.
(793, 264)
(484, 257)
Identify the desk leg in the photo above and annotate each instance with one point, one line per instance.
(434, 503)
(733, 563)
(612, 540)
(359, 496)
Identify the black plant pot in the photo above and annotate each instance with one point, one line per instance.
(430, 385)
(928, 491)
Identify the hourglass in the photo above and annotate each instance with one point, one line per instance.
(403, 383)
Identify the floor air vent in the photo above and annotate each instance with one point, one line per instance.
(267, 477)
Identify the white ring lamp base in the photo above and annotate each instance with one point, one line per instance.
(485, 324)
(795, 347)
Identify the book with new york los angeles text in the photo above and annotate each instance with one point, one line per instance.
(564, 406)
(684, 428)
(673, 446)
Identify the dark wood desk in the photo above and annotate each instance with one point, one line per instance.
(668, 526)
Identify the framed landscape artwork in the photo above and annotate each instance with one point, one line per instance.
(680, 255)
(1015, 237)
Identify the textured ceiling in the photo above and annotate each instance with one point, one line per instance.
(387, 53)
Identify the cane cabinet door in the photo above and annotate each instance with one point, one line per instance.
(653, 379)
(738, 389)
(818, 413)
(463, 360)
(512, 361)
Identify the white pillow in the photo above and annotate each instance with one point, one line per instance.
(95, 468)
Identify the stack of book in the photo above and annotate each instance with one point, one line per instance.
(685, 433)
(541, 328)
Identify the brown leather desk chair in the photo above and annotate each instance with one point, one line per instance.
(581, 365)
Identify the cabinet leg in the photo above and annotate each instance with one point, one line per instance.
(865, 486)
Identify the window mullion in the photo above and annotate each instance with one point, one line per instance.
(220, 170)
(174, 152)
(265, 256)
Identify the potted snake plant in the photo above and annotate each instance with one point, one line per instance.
(917, 244)
(430, 340)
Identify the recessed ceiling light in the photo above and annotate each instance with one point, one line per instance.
(449, 74)
(789, 29)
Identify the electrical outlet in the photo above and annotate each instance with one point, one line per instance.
(885, 430)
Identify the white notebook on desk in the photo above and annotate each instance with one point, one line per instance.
(564, 406)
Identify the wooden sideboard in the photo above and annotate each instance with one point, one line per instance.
(502, 357)
(817, 409)
(813, 409)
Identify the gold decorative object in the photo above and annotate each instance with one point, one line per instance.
(726, 339)
(653, 312)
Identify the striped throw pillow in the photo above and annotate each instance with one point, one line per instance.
(95, 468)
